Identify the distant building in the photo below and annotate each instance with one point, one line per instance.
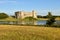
(23, 14)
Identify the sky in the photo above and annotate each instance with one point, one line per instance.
(42, 7)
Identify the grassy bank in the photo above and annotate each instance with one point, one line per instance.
(14, 32)
(14, 19)
(58, 18)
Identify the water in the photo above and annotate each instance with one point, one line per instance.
(39, 22)
(43, 22)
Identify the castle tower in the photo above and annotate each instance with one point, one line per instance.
(34, 14)
(21, 15)
(16, 14)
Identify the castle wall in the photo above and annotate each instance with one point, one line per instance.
(22, 14)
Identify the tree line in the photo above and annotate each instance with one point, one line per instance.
(47, 16)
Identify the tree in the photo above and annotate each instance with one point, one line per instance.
(49, 15)
(3, 16)
(50, 21)
(39, 16)
(13, 16)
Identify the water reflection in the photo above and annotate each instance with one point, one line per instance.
(34, 22)
(39, 22)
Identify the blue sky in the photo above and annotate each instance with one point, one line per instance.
(41, 6)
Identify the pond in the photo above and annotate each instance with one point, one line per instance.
(43, 22)
(39, 22)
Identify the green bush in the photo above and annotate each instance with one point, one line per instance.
(50, 21)
(49, 15)
(3, 16)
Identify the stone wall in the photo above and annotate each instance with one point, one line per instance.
(23, 14)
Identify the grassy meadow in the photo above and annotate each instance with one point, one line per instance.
(14, 32)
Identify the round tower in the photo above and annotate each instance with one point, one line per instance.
(34, 14)
(21, 15)
(16, 15)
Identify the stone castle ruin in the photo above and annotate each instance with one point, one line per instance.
(23, 14)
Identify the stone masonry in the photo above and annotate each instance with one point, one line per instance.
(23, 14)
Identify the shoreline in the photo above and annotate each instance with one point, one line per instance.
(47, 19)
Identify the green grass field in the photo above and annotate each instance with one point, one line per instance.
(14, 32)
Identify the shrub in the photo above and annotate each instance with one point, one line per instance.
(50, 21)
(3, 16)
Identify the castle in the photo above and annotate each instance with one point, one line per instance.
(23, 14)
